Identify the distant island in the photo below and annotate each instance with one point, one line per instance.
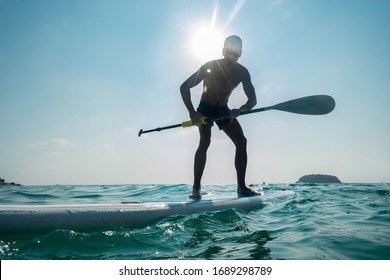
(318, 178)
(4, 183)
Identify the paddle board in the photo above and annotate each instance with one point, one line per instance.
(83, 217)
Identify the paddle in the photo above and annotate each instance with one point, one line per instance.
(309, 105)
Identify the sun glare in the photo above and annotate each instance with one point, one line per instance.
(206, 43)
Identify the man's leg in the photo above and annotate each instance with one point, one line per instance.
(200, 158)
(236, 134)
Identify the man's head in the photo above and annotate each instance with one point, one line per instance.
(232, 47)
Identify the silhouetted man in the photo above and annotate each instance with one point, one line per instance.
(219, 78)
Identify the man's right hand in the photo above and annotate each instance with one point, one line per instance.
(197, 118)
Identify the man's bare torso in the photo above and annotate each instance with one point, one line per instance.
(220, 78)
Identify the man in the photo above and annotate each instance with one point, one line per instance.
(219, 78)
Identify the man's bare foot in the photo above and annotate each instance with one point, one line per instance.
(245, 191)
(195, 194)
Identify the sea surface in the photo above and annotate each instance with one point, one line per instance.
(321, 222)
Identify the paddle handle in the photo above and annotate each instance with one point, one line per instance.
(189, 122)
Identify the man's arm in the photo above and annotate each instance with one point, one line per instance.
(249, 91)
(185, 91)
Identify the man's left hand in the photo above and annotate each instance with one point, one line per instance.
(234, 113)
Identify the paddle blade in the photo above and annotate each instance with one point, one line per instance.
(309, 105)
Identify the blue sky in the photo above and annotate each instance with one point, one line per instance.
(79, 79)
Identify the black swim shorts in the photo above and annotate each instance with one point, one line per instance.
(210, 110)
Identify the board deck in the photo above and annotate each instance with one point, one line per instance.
(84, 217)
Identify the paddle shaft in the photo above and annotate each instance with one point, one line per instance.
(309, 105)
(159, 129)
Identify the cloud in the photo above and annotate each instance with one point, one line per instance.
(58, 142)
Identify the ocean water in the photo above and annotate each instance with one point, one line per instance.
(321, 222)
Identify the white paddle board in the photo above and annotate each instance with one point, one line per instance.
(83, 217)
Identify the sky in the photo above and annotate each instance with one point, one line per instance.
(79, 79)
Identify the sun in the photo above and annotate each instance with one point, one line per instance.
(206, 42)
